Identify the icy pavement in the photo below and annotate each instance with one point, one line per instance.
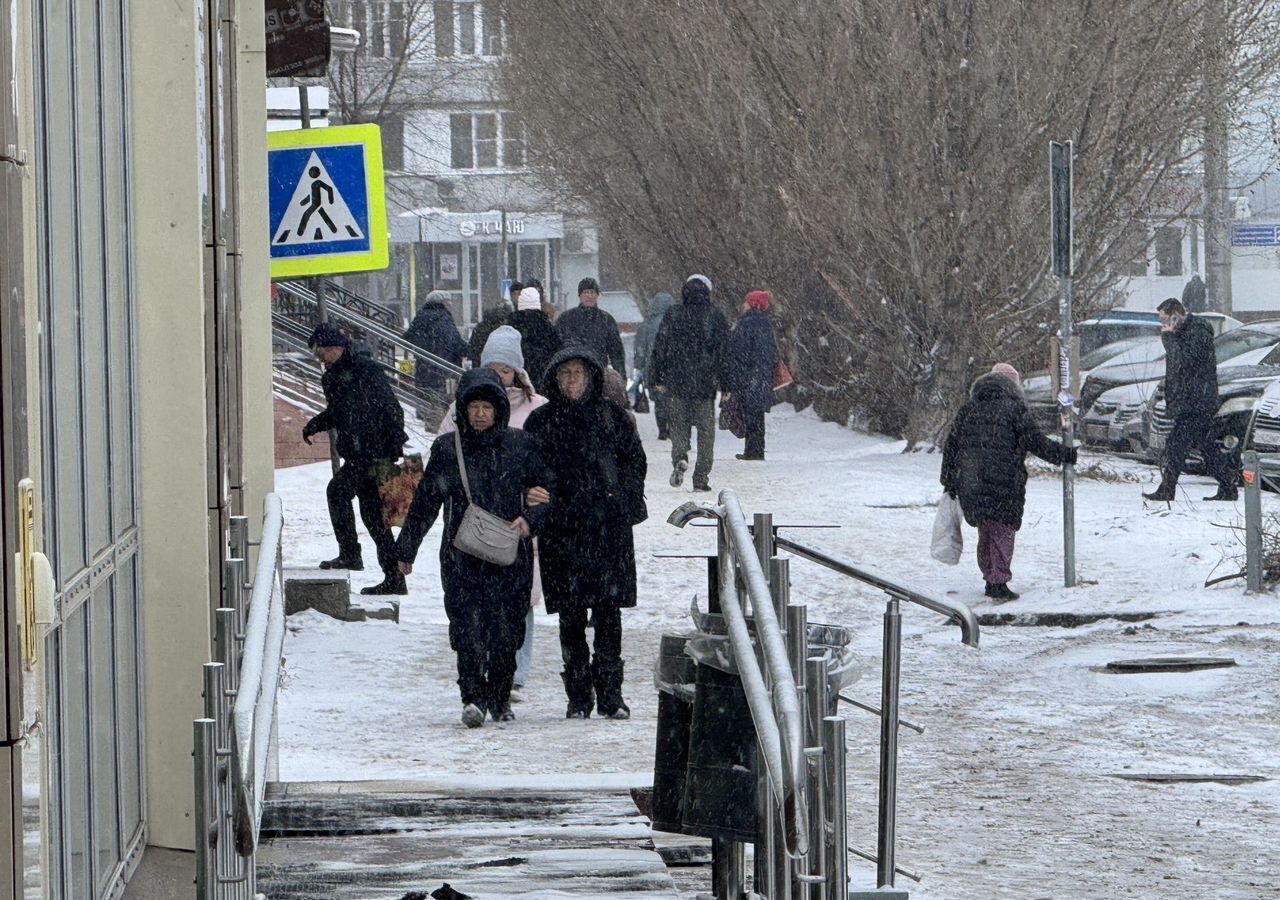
(1010, 793)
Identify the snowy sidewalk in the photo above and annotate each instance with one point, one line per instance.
(1009, 793)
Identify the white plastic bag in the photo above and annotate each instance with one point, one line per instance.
(948, 542)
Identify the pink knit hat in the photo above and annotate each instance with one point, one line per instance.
(1007, 371)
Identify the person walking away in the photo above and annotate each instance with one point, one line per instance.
(587, 551)
(589, 325)
(485, 602)
(984, 467)
(539, 339)
(685, 366)
(502, 353)
(750, 363)
(433, 330)
(364, 411)
(493, 317)
(1195, 295)
(646, 334)
(1191, 399)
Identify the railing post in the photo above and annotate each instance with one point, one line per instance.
(238, 537)
(235, 583)
(206, 834)
(728, 863)
(817, 754)
(762, 532)
(838, 856)
(1252, 521)
(890, 669)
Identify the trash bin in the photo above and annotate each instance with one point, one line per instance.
(674, 677)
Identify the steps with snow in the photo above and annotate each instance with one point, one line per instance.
(389, 840)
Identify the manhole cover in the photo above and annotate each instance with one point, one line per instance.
(1169, 664)
(1158, 778)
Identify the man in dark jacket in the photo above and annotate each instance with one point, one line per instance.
(1191, 398)
(539, 340)
(750, 363)
(493, 318)
(370, 424)
(433, 330)
(984, 467)
(646, 334)
(589, 325)
(686, 366)
(587, 554)
(486, 603)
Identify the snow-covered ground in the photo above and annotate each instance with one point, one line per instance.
(1010, 792)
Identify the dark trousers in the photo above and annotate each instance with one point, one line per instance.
(584, 676)
(485, 637)
(1195, 431)
(355, 480)
(755, 433)
(687, 415)
(661, 411)
(995, 551)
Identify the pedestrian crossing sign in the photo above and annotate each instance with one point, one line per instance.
(327, 194)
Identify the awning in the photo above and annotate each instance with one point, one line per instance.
(438, 226)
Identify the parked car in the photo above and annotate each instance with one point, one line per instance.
(1264, 434)
(1117, 420)
(1240, 388)
(1037, 388)
(1120, 324)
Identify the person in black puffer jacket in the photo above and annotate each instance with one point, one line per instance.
(587, 554)
(370, 424)
(685, 365)
(433, 330)
(984, 467)
(1191, 398)
(486, 603)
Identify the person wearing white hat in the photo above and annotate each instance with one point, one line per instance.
(539, 339)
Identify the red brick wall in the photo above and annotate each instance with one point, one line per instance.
(290, 448)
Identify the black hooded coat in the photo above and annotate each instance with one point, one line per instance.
(502, 464)
(362, 408)
(688, 352)
(587, 554)
(433, 330)
(539, 341)
(984, 458)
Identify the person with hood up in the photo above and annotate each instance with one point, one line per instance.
(750, 363)
(364, 411)
(685, 366)
(433, 330)
(984, 467)
(539, 339)
(503, 355)
(589, 325)
(1191, 399)
(486, 603)
(646, 334)
(587, 551)
(493, 317)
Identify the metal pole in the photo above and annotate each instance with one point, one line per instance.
(206, 836)
(215, 708)
(797, 620)
(888, 742)
(1252, 520)
(838, 857)
(762, 531)
(238, 537)
(1068, 440)
(816, 698)
(727, 869)
(235, 580)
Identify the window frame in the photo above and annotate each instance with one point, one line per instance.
(500, 141)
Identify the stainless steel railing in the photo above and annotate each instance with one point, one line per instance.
(233, 740)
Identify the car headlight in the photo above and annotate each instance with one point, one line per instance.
(1238, 405)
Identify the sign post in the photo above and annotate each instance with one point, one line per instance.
(1060, 217)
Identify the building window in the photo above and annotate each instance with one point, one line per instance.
(381, 24)
(1168, 248)
(488, 140)
(467, 28)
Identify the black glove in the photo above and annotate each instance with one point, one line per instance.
(308, 430)
(1071, 455)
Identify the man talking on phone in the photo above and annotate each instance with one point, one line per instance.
(1191, 398)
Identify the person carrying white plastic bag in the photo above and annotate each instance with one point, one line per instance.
(948, 542)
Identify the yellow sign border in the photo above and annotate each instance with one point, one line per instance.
(378, 254)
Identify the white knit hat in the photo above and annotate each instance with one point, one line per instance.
(529, 299)
(703, 278)
(503, 346)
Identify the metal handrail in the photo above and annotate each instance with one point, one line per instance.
(255, 705)
(348, 298)
(958, 613)
(781, 742)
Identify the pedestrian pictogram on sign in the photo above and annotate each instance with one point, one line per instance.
(328, 210)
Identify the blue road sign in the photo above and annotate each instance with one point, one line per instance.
(1255, 235)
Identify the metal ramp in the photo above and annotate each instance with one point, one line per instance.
(397, 840)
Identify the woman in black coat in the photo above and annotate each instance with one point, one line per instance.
(485, 603)
(433, 330)
(539, 340)
(984, 467)
(587, 554)
(749, 366)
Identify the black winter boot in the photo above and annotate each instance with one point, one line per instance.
(1166, 493)
(1225, 492)
(607, 676)
(391, 584)
(350, 563)
(577, 686)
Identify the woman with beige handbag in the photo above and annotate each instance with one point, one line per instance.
(482, 480)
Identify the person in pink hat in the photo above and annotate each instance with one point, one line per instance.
(984, 467)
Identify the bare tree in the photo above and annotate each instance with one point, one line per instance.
(880, 164)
